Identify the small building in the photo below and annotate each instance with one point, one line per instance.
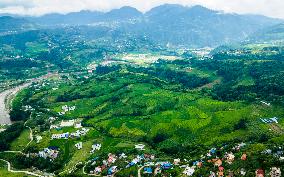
(176, 161)
(38, 139)
(140, 147)
(79, 145)
(189, 171)
(212, 174)
(112, 170)
(78, 125)
(95, 147)
(259, 173)
(148, 170)
(243, 172)
(167, 166)
(244, 157)
(275, 172)
(68, 123)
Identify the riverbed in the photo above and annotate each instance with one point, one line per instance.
(5, 98)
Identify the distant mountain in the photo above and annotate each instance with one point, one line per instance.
(124, 13)
(88, 17)
(10, 24)
(199, 26)
(194, 26)
(269, 34)
(74, 18)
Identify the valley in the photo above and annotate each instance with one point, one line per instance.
(108, 95)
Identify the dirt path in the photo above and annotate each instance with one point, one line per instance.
(210, 85)
(15, 171)
(139, 171)
(276, 129)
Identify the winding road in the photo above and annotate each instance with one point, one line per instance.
(14, 171)
(5, 101)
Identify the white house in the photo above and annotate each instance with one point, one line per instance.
(78, 125)
(79, 145)
(60, 136)
(38, 139)
(95, 147)
(140, 147)
(68, 123)
(189, 171)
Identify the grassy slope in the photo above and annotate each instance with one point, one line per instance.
(5, 173)
(21, 142)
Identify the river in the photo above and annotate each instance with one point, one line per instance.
(4, 107)
(10, 93)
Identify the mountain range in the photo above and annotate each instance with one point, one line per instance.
(174, 24)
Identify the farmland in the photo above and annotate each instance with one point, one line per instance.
(176, 108)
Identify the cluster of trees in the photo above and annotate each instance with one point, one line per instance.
(10, 134)
(266, 76)
(188, 81)
(17, 113)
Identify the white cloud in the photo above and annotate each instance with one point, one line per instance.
(273, 8)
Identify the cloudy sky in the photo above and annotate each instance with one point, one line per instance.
(272, 8)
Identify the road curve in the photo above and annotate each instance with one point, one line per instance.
(14, 171)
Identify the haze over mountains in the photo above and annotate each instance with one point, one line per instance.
(194, 26)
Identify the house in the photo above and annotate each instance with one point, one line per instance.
(198, 163)
(244, 157)
(112, 170)
(98, 170)
(111, 158)
(78, 125)
(68, 123)
(243, 172)
(189, 171)
(239, 146)
(60, 136)
(216, 162)
(122, 156)
(79, 145)
(50, 152)
(148, 170)
(38, 139)
(259, 173)
(220, 174)
(167, 166)
(95, 147)
(176, 161)
(230, 158)
(212, 174)
(265, 103)
(275, 172)
(140, 147)
(269, 120)
(53, 127)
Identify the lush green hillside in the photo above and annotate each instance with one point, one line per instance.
(179, 108)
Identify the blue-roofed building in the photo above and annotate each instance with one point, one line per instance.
(148, 170)
(167, 166)
(112, 170)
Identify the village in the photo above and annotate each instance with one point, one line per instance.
(149, 164)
